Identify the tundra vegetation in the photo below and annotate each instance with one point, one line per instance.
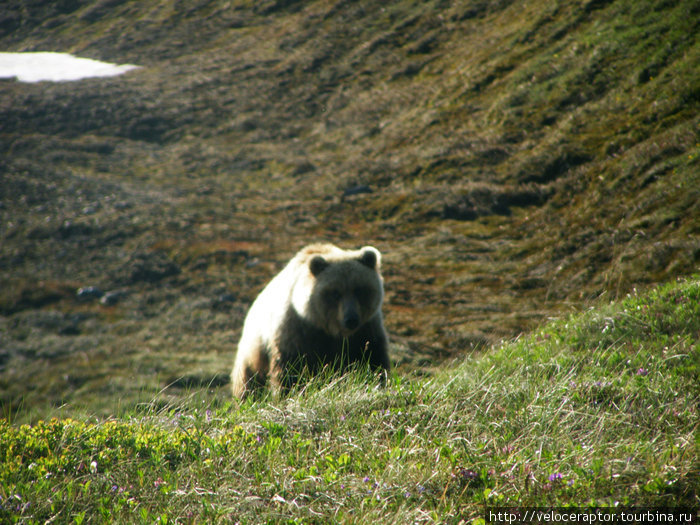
(597, 409)
(529, 170)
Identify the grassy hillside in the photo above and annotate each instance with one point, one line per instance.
(597, 409)
(521, 159)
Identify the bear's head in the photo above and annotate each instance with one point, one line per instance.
(339, 290)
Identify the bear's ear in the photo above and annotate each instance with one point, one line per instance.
(317, 265)
(369, 258)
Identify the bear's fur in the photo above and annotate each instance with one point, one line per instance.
(323, 309)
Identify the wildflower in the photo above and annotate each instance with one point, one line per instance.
(366, 479)
(642, 372)
(93, 467)
(467, 474)
(208, 415)
(507, 449)
(555, 477)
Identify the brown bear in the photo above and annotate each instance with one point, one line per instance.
(322, 310)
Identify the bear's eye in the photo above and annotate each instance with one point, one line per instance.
(331, 296)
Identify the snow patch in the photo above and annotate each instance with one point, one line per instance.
(55, 67)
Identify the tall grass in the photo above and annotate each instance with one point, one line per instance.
(596, 409)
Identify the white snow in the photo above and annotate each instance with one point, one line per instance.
(55, 67)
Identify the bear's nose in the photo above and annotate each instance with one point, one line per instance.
(351, 320)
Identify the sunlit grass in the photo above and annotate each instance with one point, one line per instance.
(599, 408)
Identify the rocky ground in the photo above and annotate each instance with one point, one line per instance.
(512, 161)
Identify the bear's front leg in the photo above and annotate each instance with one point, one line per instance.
(250, 372)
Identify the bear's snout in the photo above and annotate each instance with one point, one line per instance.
(351, 320)
(350, 317)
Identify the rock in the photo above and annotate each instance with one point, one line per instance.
(88, 293)
(224, 301)
(227, 298)
(356, 190)
(112, 297)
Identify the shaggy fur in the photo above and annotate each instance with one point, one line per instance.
(322, 310)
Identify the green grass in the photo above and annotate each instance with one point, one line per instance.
(596, 409)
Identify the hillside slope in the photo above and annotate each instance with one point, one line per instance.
(598, 411)
(511, 160)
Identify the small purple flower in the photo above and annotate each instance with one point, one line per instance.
(366, 479)
(467, 474)
(555, 477)
(642, 372)
(208, 415)
(507, 449)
